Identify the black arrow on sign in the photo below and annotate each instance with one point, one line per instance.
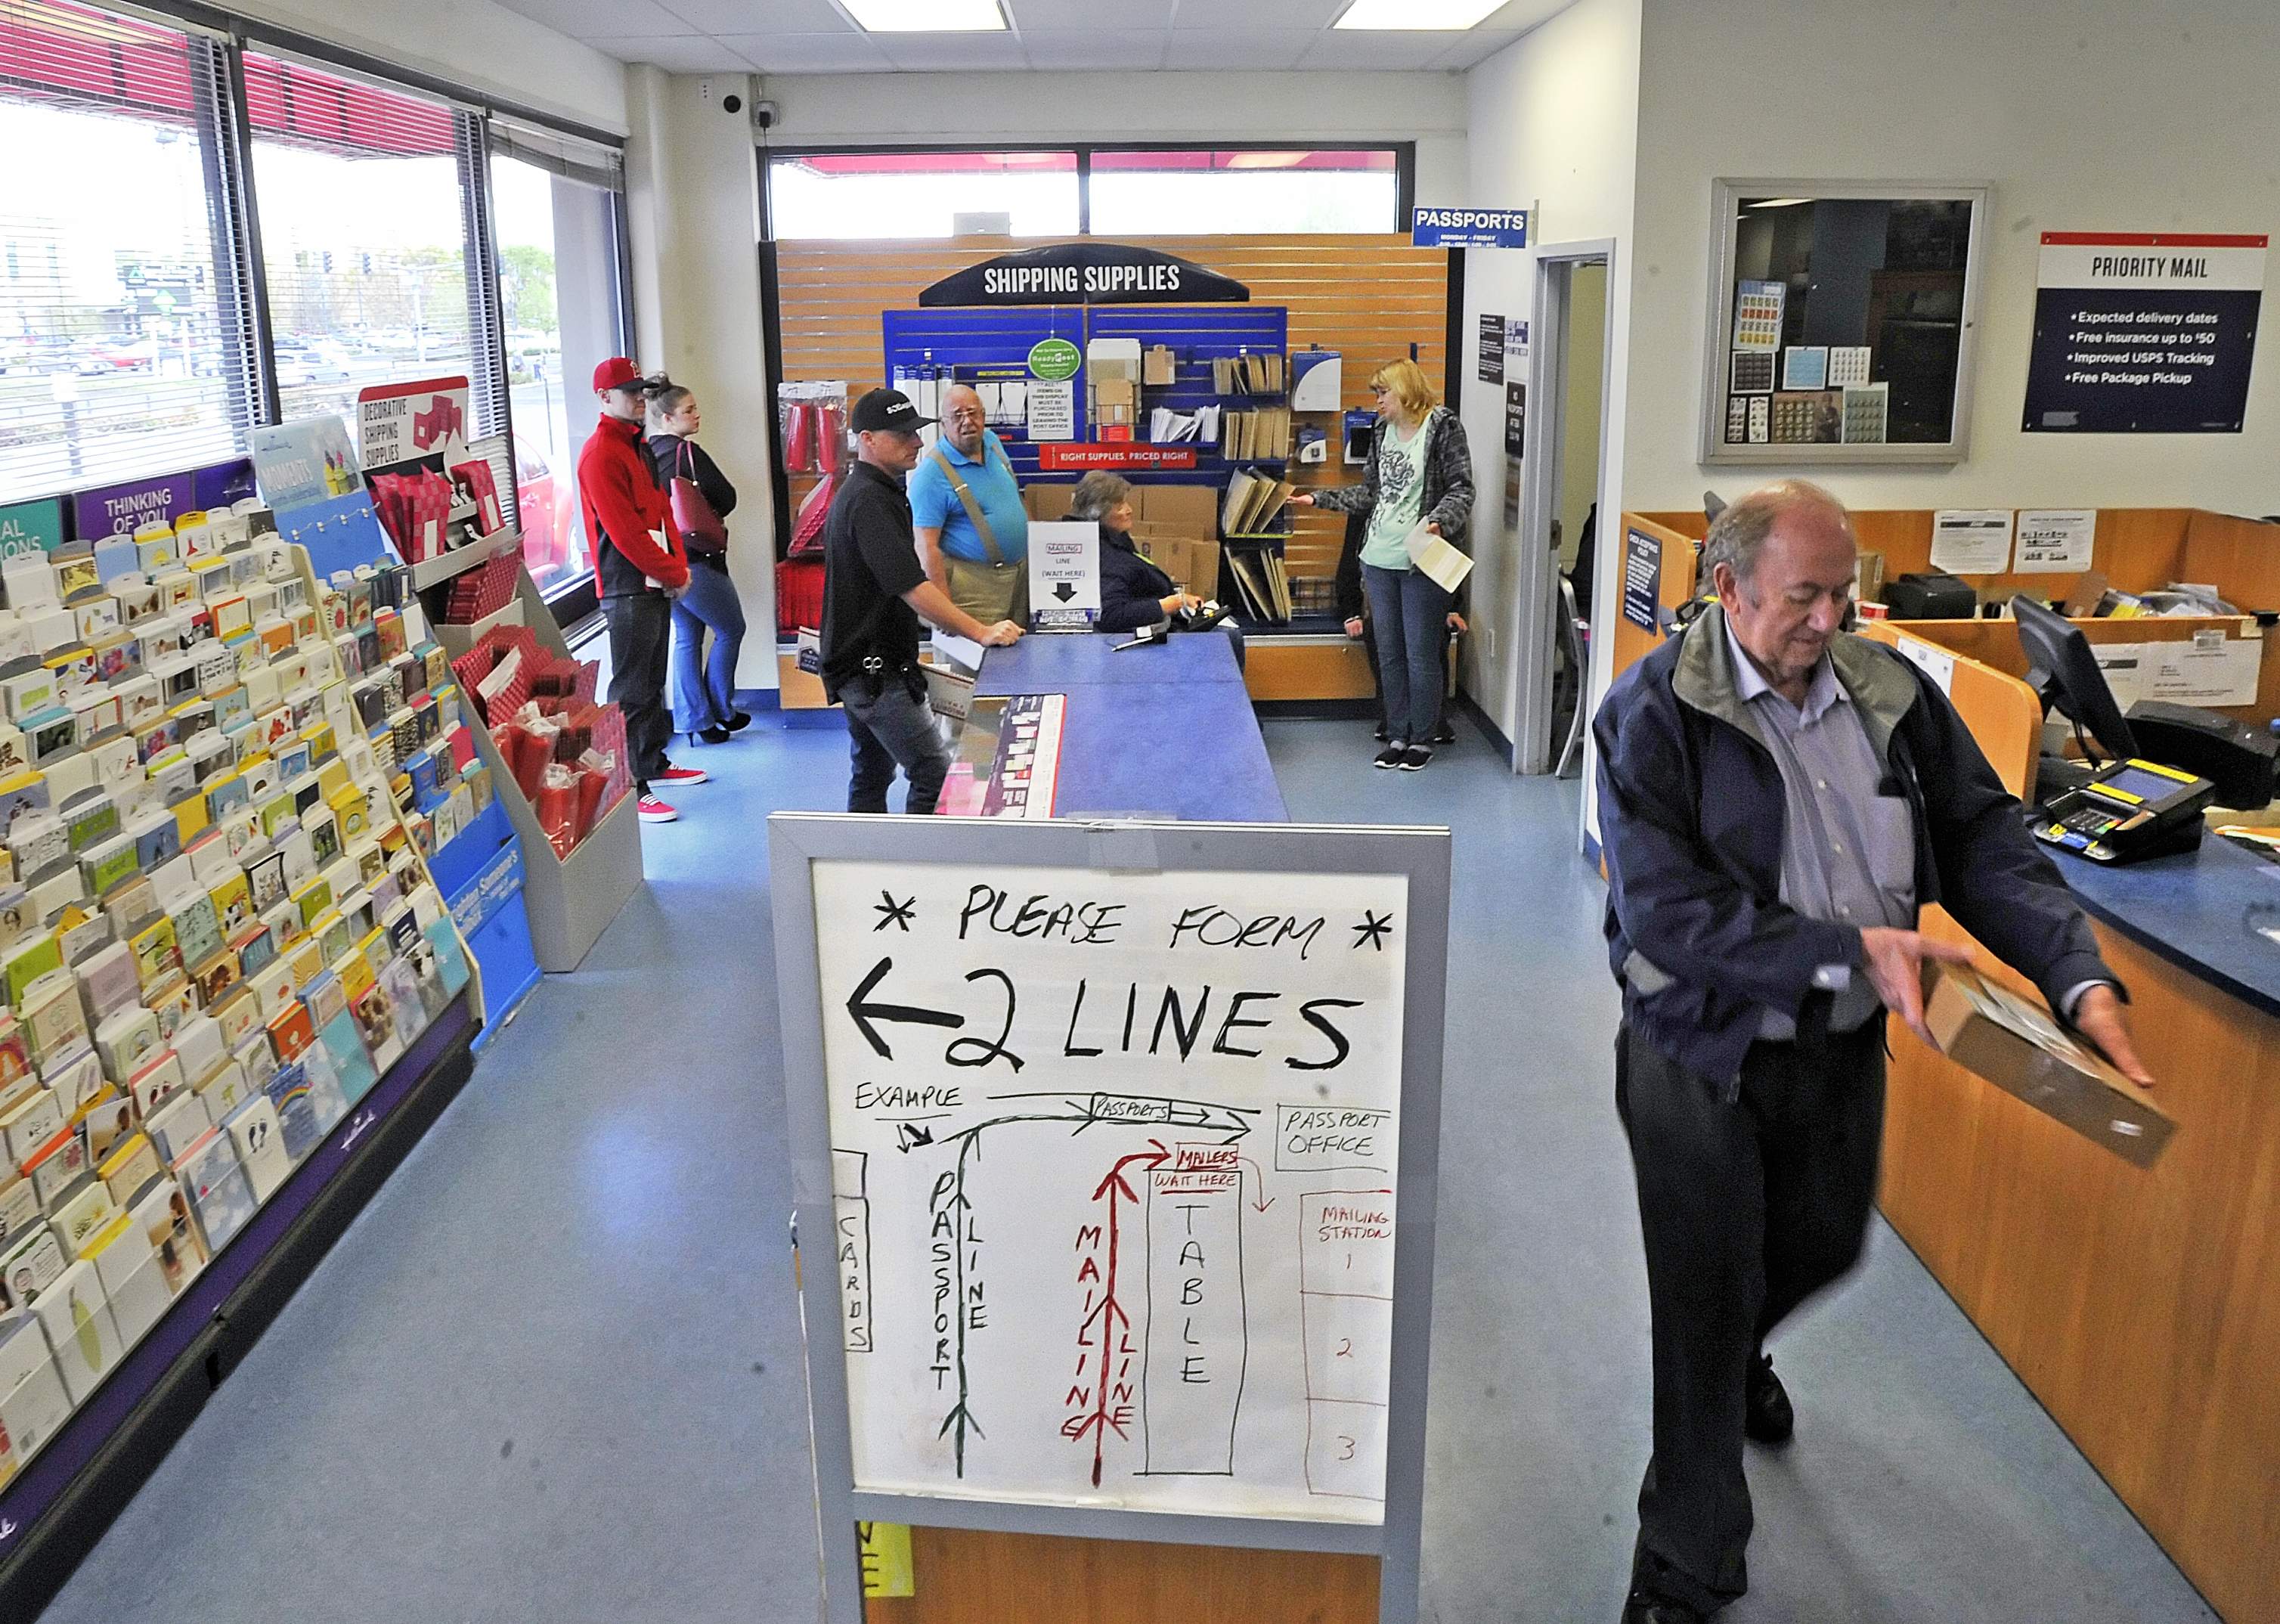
(1064, 591)
(865, 1013)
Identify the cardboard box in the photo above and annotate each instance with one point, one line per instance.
(1114, 392)
(1157, 366)
(2012, 1042)
(1192, 563)
(1193, 509)
(1047, 502)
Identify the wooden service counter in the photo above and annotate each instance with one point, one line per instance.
(2142, 1307)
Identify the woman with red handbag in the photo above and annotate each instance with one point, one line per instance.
(703, 684)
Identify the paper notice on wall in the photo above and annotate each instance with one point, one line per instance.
(2055, 540)
(2123, 666)
(1971, 541)
(1937, 662)
(2209, 668)
(1053, 410)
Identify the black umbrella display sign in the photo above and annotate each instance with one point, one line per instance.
(1086, 273)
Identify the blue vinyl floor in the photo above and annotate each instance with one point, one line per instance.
(552, 1374)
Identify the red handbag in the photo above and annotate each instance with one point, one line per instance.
(700, 527)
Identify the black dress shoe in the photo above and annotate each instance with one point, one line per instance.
(711, 735)
(1642, 1607)
(740, 721)
(1767, 1417)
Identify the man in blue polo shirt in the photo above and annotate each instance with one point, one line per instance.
(973, 536)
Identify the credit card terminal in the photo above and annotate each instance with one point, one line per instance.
(2130, 810)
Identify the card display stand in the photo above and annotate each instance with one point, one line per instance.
(570, 900)
(480, 874)
(295, 1084)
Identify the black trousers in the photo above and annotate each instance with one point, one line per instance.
(1747, 1209)
(641, 646)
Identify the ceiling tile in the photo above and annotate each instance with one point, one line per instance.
(1236, 48)
(1256, 14)
(1108, 50)
(754, 17)
(845, 52)
(588, 20)
(1130, 15)
(935, 53)
(1477, 46)
(675, 53)
(1408, 49)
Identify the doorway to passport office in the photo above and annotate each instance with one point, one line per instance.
(1325, 263)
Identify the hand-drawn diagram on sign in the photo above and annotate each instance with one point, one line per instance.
(1113, 1164)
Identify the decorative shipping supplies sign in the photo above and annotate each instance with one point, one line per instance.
(2144, 332)
(1122, 1138)
(396, 422)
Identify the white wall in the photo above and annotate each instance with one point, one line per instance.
(2086, 115)
(477, 44)
(1552, 120)
(693, 212)
(889, 109)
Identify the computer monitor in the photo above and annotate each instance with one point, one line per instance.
(2064, 672)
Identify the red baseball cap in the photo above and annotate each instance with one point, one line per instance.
(617, 373)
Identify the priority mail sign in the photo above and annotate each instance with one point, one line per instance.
(1469, 228)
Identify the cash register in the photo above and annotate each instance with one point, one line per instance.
(2130, 807)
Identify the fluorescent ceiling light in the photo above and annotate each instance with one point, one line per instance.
(926, 16)
(1447, 16)
(1779, 203)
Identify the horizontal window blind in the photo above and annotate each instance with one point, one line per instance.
(363, 233)
(123, 335)
(571, 157)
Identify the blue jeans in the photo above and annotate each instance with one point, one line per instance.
(889, 729)
(1410, 615)
(704, 690)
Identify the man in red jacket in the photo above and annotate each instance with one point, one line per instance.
(638, 571)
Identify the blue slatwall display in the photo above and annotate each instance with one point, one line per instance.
(954, 339)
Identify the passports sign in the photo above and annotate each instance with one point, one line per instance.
(1469, 228)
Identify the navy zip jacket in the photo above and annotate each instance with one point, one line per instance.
(1691, 815)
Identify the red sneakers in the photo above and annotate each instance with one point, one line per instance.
(651, 810)
(680, 778)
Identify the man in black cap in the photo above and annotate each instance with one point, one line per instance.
(874, 589)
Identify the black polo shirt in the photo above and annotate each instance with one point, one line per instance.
(870, 559)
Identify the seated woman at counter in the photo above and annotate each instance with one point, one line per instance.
(1133, 592)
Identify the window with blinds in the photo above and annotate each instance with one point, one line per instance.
(125, 331)
(365, 233)
(556, 206)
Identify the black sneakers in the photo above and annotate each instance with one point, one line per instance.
(1391, 756)
(1415, 759)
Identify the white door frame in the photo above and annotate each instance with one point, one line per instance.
(1535, 579)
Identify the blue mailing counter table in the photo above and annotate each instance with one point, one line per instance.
(1165, 731)
(2140, 1305)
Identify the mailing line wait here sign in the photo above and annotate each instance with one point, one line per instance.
(1469, 228)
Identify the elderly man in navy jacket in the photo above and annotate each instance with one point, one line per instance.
(1777, 800)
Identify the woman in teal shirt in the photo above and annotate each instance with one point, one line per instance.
(1419, 471)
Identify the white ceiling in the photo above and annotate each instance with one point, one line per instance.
(815, 36)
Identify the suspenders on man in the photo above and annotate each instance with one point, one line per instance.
(992, 587)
